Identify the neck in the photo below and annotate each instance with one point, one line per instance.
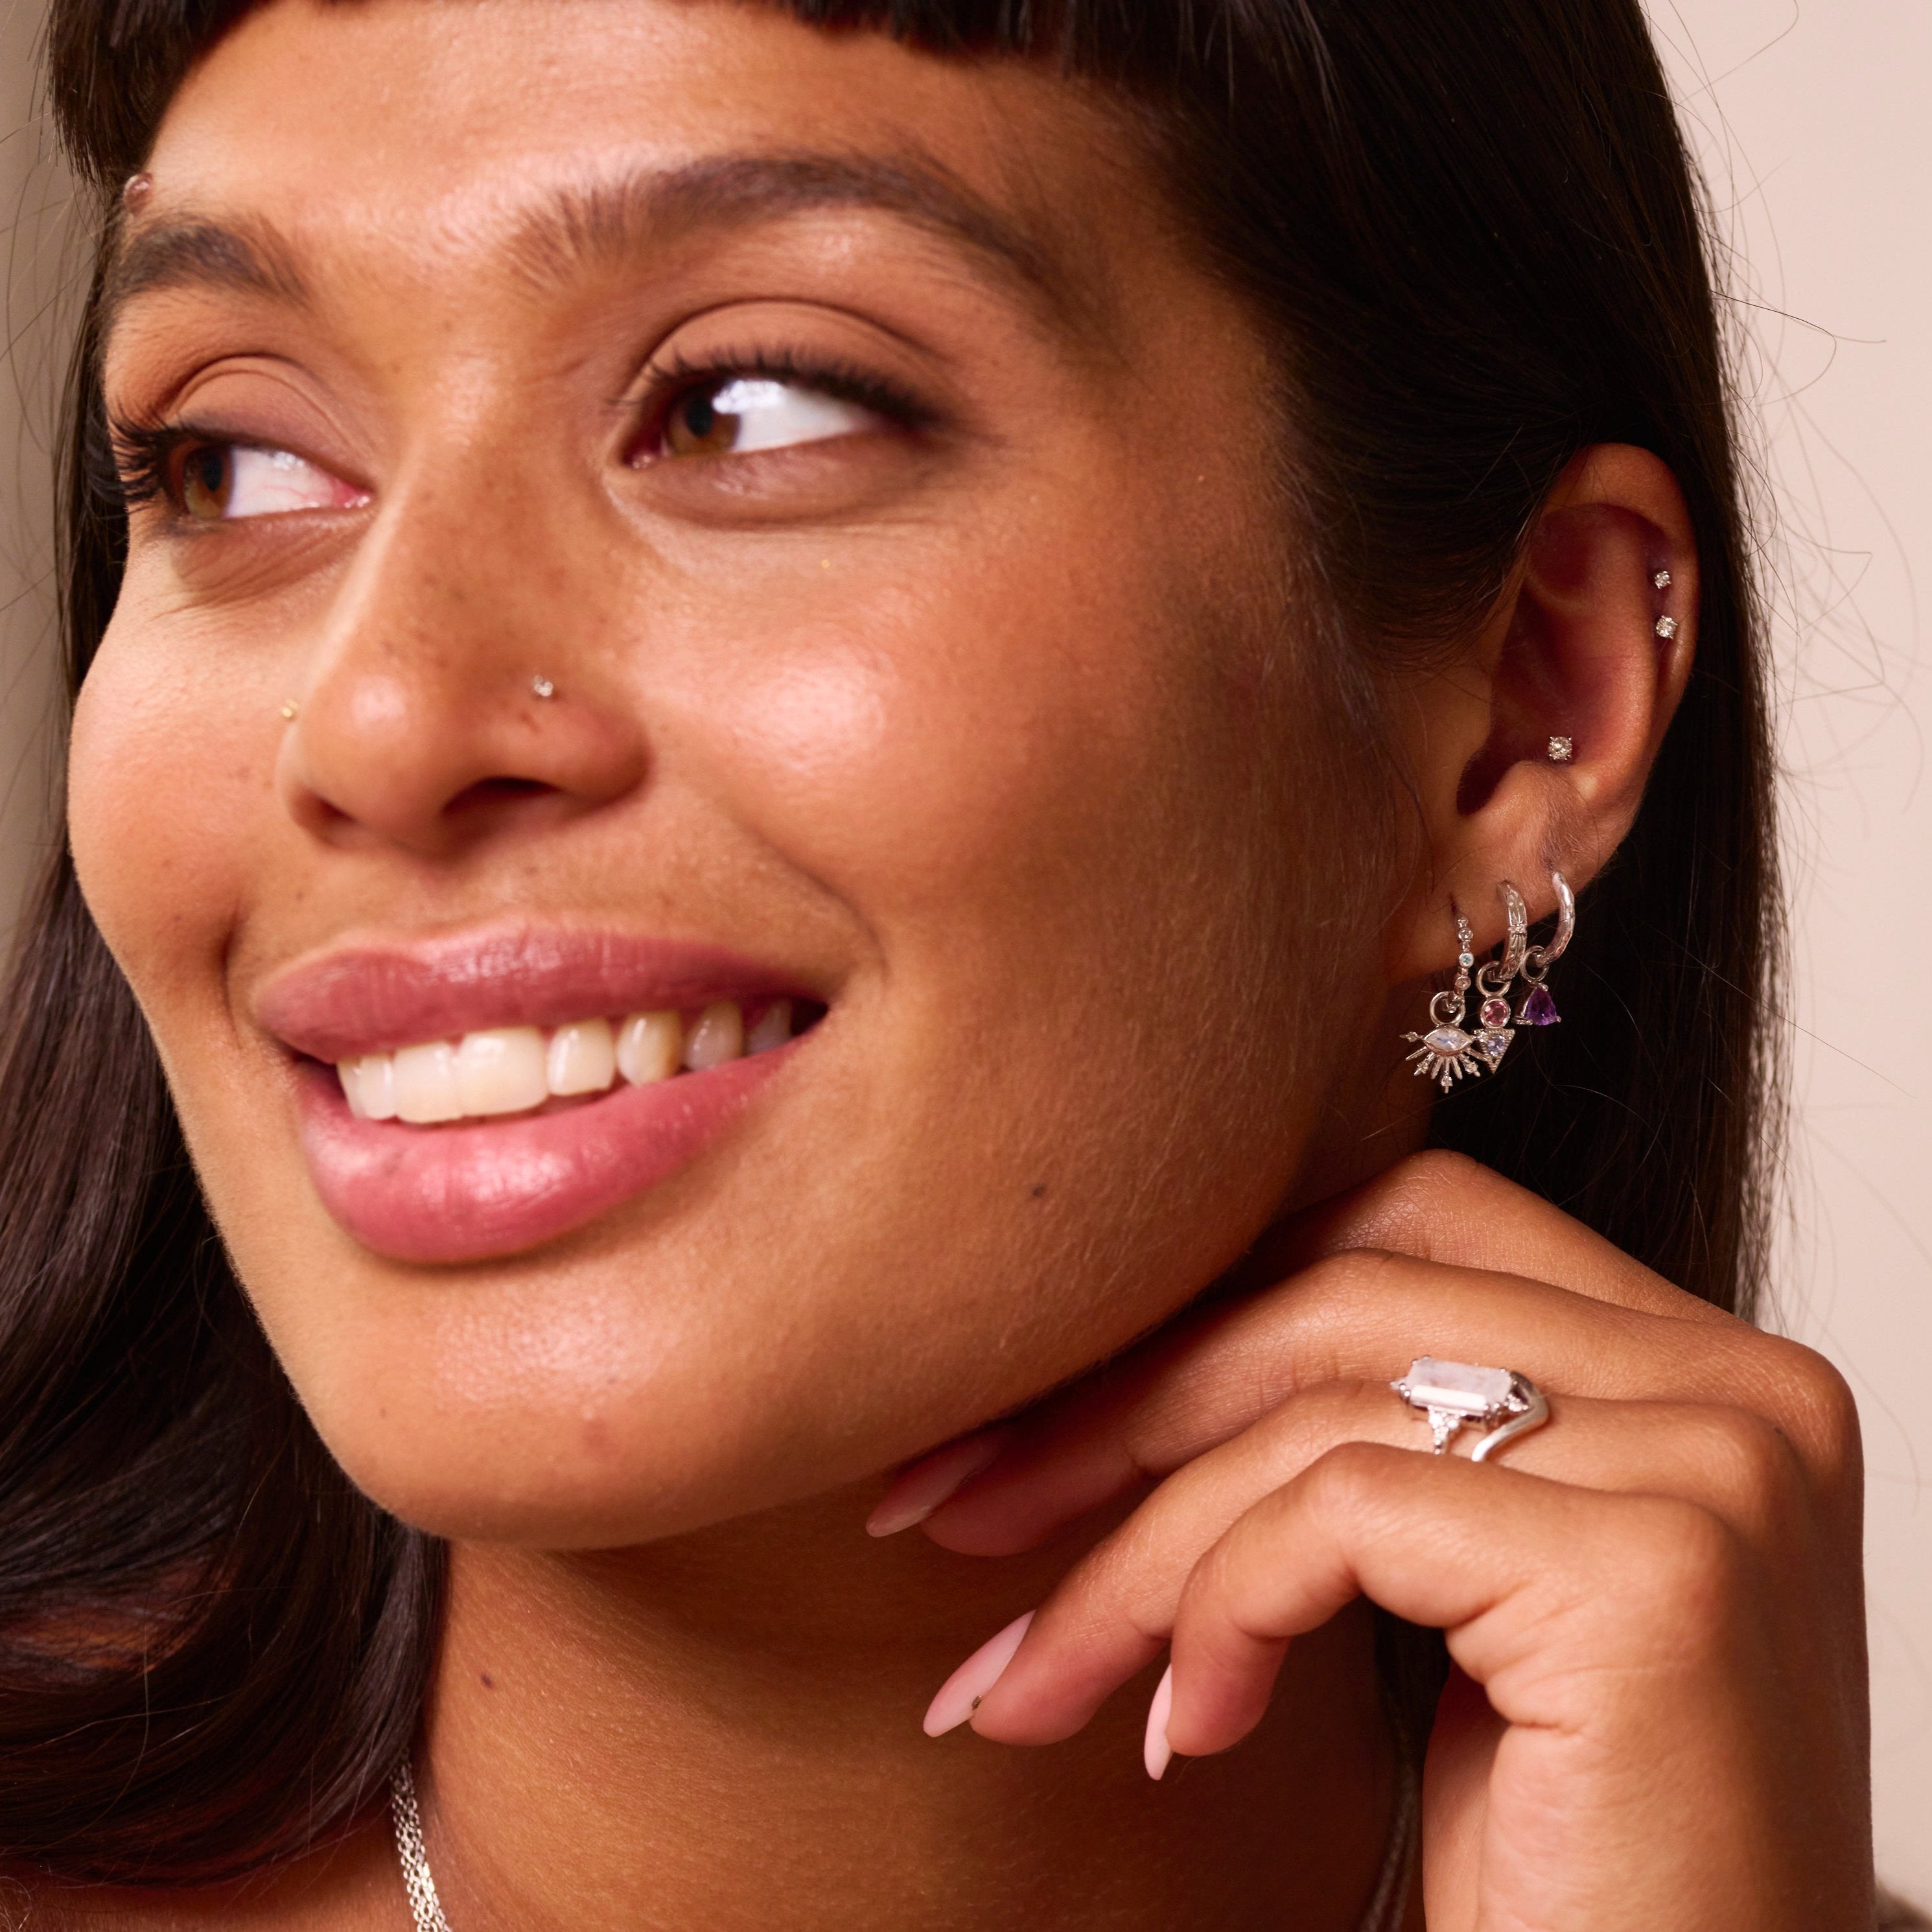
(722, 1730)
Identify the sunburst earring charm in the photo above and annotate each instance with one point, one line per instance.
(1444, 1054)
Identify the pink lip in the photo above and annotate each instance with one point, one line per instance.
(470, 1191)
(370, 999)
(467, 1192)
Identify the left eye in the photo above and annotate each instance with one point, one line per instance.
(736, 415)
(218, 482)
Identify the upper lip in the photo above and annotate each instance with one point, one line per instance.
(371, 998)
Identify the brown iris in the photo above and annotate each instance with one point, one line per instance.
(697, 427)
(205, 480)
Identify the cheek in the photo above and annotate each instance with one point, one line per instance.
(167, 768)
(998, 736)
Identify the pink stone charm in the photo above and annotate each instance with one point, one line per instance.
(1496, 1013)
(1539, 1010)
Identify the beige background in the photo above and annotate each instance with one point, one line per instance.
(1812, 121)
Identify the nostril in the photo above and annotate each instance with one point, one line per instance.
(497, 791)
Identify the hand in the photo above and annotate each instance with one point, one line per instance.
(1657, 1716)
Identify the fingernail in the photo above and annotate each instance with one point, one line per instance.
(920, 1490)
(1157, 1752)
(959, 1695)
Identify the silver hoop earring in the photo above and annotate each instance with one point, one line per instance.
(1538, 1009)
(1452, 1050)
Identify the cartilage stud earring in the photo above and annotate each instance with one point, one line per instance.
(1561, 750)
(1667, 627)
(1661, 581)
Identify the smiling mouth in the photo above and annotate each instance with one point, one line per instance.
(501, 1071)
(473, 1095)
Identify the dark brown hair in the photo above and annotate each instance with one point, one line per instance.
(1471, 226)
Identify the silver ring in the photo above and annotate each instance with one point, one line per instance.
(1452, 1393)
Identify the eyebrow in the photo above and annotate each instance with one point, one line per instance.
(191, 252)
(577, 228)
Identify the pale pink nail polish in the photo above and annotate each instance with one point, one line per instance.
(1157, 1751)
(959, 1695)
(932, 1480)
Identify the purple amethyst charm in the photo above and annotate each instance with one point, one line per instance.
(1539, 1010)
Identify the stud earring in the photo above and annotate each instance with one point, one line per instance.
(541, 687)
(1661, 581)
(1562, 750)
(1667, 627)
(288, 710)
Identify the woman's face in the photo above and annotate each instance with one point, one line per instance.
(655, 509)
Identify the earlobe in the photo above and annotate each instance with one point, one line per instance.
(1576, 679)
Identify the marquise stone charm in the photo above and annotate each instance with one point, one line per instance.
(1446, 1052)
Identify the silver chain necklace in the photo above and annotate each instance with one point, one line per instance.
(1385, 1910)
(424, 1907)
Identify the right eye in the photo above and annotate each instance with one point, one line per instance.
(224, 482)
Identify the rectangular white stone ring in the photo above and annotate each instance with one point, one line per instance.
(1451, 1394)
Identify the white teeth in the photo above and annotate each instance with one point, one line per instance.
(501, 1071)
(425, 1084)
(370, 1084)
(773, 1029)
(583, 1058)
(718, 1035)
(511, 1070)
(649, 1048)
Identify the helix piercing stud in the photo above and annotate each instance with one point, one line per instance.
(1667, 627)
(289, 710)
(1661, 581)
(541, 687)
(1562, 750)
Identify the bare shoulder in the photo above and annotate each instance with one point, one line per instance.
(351, 1887)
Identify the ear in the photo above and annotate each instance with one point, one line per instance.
(1585, 645)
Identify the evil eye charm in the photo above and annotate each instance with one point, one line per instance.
(1446, 1055)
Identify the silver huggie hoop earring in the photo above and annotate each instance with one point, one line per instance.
(1494, 980)
(1450, 1051)
(1538, 1009)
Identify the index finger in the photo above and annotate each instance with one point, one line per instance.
(1444, 1206)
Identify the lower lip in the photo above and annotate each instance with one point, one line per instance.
(477, 1191)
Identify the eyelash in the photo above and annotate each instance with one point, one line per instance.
(145, 452)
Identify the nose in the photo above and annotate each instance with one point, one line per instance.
(465, 682)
